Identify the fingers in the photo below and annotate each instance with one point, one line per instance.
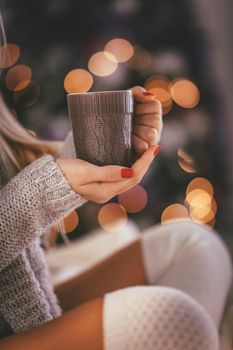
(142, 164)
(147, 134)
(151, 107)
(140, 95)
(101, 192)
(152, 120)
(139, 144)
(111, 173)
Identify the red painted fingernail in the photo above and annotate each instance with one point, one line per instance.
(156, 151)
(127, 172)
(147, 93)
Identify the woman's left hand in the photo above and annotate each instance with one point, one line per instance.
(147, 120)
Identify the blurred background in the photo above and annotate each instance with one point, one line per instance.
(181, 51)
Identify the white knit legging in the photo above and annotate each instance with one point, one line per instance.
(189, 271)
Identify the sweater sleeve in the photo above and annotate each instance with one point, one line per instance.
(67, 149)
(34, 199)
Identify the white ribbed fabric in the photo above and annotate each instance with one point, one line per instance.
(191, 268)
(191, 258)
(156, 318)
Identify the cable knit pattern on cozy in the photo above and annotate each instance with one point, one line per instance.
(32, 201)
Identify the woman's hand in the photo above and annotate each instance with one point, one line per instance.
(147, 120)
(101, 183)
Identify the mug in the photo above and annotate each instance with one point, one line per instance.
(102, 126)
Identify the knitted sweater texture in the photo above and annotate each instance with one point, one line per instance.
(32, 201)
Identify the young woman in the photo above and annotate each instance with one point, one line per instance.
(164, 291)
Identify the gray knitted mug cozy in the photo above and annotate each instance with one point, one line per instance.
(102, 126)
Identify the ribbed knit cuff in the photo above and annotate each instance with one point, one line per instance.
(57, 196)
(115, 320)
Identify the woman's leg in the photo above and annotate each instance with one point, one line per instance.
(79, 329)
(142, 318)
(122, 269)
(191, 258)
(185, 255)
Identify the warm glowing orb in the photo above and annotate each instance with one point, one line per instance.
(78, 80)
(133, 200)
(102, 63)
(120, 48)
(70, 222)
(186, 162)
(185, 93)
(18, 77)
(9, 55)
(175, 212)
(112, 217)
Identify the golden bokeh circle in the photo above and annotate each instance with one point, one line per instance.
(200, 183)
(18, 77)
(112, 217)
(28, 96)
(102, 64)
(185, 93)
(78, 80)
(70, 222)
(133, 200)
(9, 55)
(120, 48)
(186, 162)
(199, 198)
(175, 212)
(160, 87)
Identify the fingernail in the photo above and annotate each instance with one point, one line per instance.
(147, 93)
(127, 173)
(157, 150)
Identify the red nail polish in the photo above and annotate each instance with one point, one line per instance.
(127, 173)
(156, 151)
(147, 93)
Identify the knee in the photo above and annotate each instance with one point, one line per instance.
(179, 238)
(147, 318)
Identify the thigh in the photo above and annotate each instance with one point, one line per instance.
(79, 329)
(122, 269)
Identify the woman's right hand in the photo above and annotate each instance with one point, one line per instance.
(101, 183)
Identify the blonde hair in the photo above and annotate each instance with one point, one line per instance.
(18, 147)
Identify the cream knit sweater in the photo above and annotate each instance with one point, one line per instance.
(32, 201)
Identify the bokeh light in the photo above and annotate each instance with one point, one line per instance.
(203, 215)
(18, 77)
(9, 55)
(185, 93)
(199, 198)
(28, 96)
(102, 63)
(78, 80)
(112, 217)
(141, 59)
(70, 222)
(186, 162)
(200, 183)
(160, 87)
(175, 212)
(133, 200)
(121, 49)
